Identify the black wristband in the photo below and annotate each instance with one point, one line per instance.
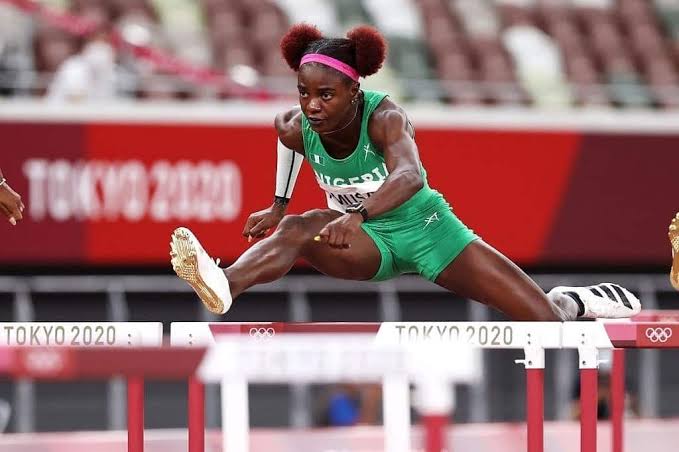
(364, 212)
(281, 201)
(358, 209)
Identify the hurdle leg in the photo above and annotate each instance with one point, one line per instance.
(435, 432)
(535, 409)
(435, 402)
(588, 398)
(396, 413)
(617, 399)
(235, 416)
(534, 363)
(135, 414)
(196, 413)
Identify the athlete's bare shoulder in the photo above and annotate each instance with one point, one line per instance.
(289, 127)
(387, 118)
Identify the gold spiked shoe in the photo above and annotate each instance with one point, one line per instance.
(196, 267)
(674, 240)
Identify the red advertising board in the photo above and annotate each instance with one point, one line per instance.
(111, 193)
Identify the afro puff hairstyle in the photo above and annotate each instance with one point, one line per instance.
(364, 48)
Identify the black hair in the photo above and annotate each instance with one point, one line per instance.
(364, 48)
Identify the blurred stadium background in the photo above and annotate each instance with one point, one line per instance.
(621, 53)
(552, 126)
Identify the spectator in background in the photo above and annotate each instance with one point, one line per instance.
(604, 392)
(88, 76)
(10, 202)
(349, 405)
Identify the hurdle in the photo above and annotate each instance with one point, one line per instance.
(69, 351)
(533, 338)
(92, 335)
(657, 339)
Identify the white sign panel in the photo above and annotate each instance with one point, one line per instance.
(331, 358)
(81, 334)
(475, 334)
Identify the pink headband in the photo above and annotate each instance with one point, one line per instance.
(331, 62)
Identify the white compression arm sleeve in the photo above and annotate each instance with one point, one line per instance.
(287, 168)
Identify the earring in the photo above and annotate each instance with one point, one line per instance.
(354, 100)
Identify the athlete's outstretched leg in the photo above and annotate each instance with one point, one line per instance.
(271, 258)
(274, 256)
(483, 274)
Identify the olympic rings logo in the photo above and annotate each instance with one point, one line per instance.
(45, 362)
(261, 333)
(656, 335)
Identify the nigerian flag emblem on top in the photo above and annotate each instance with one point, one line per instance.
(318, 159)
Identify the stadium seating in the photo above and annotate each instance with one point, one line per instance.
(620, 53)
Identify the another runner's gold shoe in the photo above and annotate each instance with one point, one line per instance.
(674, 240)
(196, 267)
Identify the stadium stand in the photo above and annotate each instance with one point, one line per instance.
(557, 53)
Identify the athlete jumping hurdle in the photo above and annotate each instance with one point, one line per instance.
(383, 219)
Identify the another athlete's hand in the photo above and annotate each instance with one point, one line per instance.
(338, 233)
(10, 204)
(259, 223)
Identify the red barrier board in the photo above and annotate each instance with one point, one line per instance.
(111, 193)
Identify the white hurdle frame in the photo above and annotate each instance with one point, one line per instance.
(299, 358)
(532, 337)
(101, 335)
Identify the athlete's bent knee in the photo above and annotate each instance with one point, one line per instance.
(293, 227)
(290, 223)
(316, 214)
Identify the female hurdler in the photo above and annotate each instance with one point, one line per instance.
(383, 219)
